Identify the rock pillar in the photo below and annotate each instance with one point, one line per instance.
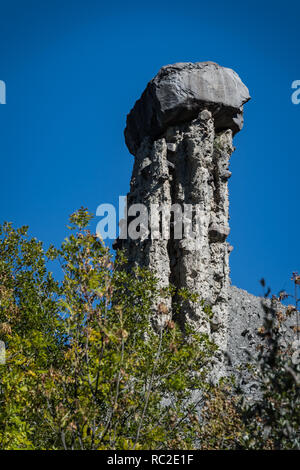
(180, 132)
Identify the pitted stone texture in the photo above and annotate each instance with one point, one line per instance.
(179, 92)
(185, 167)
(150, 185)
(180, 132)
(246, 316)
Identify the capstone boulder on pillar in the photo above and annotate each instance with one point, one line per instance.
(179, 92)
(180, 132)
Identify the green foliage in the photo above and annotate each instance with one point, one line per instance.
(85, 368)
(31, 327)
(222, 426)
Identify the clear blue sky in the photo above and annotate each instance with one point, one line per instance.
(73, 70)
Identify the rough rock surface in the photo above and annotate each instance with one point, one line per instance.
(198, 176)
(179, 92)
(245, 317)
(180, 132)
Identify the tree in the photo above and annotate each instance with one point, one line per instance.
(31, 327)
(85, 368)
(88, 368)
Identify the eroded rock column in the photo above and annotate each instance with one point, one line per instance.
(180, 132)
